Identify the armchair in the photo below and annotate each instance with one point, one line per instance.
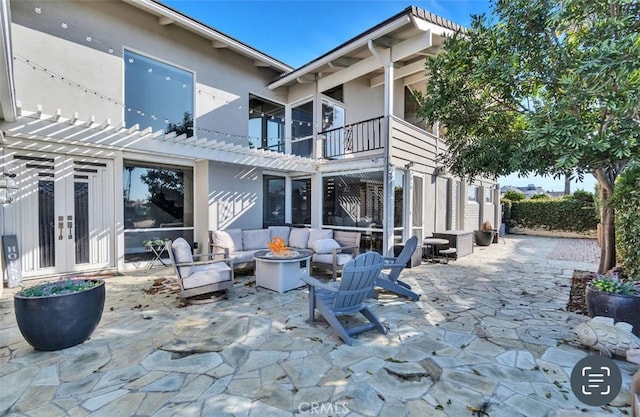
(336, 256)
(198, 277)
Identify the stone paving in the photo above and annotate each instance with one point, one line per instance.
(490, 332)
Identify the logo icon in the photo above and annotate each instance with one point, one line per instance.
(596, 380)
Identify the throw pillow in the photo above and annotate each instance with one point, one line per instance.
(324, 245)
(299, 237)
(316, 234)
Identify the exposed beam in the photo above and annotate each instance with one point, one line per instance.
(411, 46)
(219, 44)
(164, 20)
(415, 78)
(385, 42)
(343, 62)
(306, 79)
(409, 69)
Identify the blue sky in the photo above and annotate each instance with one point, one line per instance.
(296, 32)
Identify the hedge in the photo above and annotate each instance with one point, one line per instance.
(626, 202)
(569, 215)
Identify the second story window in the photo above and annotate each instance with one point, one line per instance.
(302, 129)
(266, 124)
(157, 95)
(472, 193)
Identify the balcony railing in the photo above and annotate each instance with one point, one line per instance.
(357, 137)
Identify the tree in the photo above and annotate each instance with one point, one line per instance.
(184, 128)
(545, 86)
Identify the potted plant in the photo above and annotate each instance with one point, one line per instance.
(484, 237)
(59, 314)
(615, 297)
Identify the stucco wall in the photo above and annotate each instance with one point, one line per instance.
(226, 78)
(235, 197)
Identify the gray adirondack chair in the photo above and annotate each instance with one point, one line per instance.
(348, 296)
(389, 280)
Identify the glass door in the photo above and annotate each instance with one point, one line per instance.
(65, 213)
(274, 201)
(417, 218)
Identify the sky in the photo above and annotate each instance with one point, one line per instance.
(298, 31)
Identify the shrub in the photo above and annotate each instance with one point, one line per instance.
(514, 196)
(540, 197)
(626, 202)
(582, 195)
(554, 214)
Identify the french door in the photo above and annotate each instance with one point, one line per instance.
(64, 212)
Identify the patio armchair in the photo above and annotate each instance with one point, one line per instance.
(333, 254)
(347, 297)
(199, 277)
(389, 281)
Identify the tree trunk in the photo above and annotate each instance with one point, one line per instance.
(608, 248)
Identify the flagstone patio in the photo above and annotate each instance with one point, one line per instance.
(490, 332)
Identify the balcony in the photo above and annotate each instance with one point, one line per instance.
(352, 139)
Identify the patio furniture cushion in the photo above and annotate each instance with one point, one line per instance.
(255, 239)
(298, 237)
(207, 274)
(241, 257)
(229, 239)
(324, 245)
(282, 232)
(327, 258)
(317, 234)
(182, 254)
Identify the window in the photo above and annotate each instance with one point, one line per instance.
(488, 195)
(266, 124)
(158, 205)
(302, 129)
(353, 200)
(332, 125)
(301, 201)
(398, 200)
(157, 95)
(472, 193)
(273, 205)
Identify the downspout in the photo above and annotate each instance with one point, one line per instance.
(388, 207)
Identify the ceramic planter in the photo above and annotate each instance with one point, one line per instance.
(617, 306)
(59, 321)
(482, 237)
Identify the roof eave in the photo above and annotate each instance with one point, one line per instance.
(158, 9)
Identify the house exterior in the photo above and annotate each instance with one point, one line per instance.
(126, 122)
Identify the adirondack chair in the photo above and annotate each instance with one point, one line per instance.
(389, 281)
(348, 296)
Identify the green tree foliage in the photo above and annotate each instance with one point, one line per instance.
(544, 87)
(626, 200)
(540, 196)
(184, 128)
(514, 196)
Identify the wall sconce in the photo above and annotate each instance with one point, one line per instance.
(8, 188)
(440, 170)
(409, 165)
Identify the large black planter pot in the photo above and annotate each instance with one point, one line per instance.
(59, 321)
(483, 237)
(619, 307)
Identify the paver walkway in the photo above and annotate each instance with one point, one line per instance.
(489, 330)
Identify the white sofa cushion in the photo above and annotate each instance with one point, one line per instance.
(299, 237)
(282, 232)
(324, 245)
(182, 255)
(317, 234)
(207, 274)
(255, 239)
(327, 258)
(229, 239)
(241, 257)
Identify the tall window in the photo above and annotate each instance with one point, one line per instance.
(266, 124)
(158, 205)
(301, 201)
(273, 204)
(333, 125)
(472, 193)
(157, 95)
(302, 129)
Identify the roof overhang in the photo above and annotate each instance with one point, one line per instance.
(407, 37)
(54, 133)
(168, 16)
